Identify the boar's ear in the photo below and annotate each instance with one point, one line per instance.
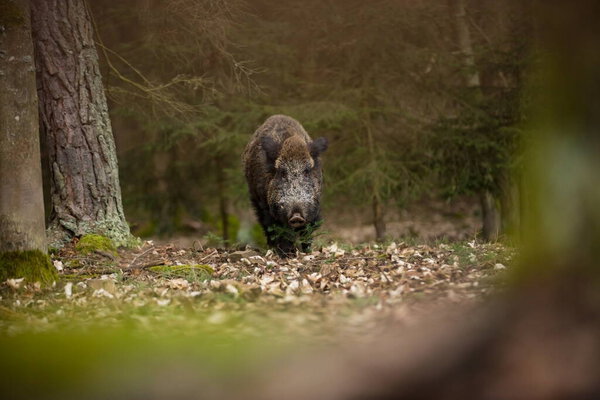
(318, 146)
(271, 148)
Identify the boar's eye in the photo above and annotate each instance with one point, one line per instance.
(283, 173)
(307, 171)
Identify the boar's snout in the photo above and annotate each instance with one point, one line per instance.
(297, 221)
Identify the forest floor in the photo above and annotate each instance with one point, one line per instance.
(162, 321)
(427, 220)
(336, 289)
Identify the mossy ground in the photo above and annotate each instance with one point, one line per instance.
(189, 272)
(91, 243)
(33, 265)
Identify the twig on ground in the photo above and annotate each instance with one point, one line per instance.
(148, 265)
(208, 256)
(139, 255)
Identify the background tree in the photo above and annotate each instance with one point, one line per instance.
(22, 229)
(489, 211)
(84, 177)
(477, 143)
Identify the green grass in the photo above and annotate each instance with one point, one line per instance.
(485, 255)
(192, 273)
(65, 364)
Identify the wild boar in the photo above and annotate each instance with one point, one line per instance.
(283, 170)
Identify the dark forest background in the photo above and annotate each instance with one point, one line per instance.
(422, 101)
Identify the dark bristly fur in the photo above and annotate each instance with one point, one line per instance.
(283, 171)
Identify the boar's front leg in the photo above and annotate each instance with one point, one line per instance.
(284, 247)
(304, 239)
(273, 232)
(306, 245)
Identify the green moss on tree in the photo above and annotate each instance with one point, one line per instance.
(91, 243)
(112, 229)
(33, 265)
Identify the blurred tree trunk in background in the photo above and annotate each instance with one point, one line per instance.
(463, 36)
(509, 205)
(21, 197)
(489, 210)
(378, 219)
(490, 216)
(516, 31)
(85, 192)
(223, 213)
(376, 187)
(160, 165)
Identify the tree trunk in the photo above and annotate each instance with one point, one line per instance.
(378, 212)
(223, 213)
(378, 219)
(489, 212)
(22, 230)
(509, 207)
(85, 192)
(490, 216)
(21, 197)
(463, 36)
(161, 159)
(523, 205)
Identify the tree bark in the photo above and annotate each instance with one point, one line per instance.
(21, 197)
(85, 191)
